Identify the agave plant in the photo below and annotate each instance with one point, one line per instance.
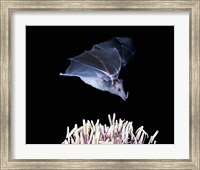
(118, 132)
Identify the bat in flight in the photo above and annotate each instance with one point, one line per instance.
(100, 66)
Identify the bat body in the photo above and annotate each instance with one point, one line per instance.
(100, 67)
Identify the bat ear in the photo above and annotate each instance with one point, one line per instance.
(118, 81)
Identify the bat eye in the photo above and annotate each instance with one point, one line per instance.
(119, 89)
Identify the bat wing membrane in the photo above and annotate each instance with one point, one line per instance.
(103, 60)
(99, 62)
(124, 45)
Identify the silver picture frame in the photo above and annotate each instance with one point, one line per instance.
(8, 6)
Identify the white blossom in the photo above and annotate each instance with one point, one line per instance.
(119, 132)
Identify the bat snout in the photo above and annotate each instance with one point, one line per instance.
(125, 96)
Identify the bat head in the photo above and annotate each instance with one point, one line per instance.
(118, 89)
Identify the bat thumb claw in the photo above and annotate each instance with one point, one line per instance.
(61, 74)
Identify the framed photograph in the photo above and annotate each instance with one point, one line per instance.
(100, 85)
(63, 94)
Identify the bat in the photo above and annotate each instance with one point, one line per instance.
(100, 66)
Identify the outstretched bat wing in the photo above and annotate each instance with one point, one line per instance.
(124, 45)
(104, 63)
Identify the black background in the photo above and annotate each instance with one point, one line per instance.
(54, 102)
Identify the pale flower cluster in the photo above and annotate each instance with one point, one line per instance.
(119, 132)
